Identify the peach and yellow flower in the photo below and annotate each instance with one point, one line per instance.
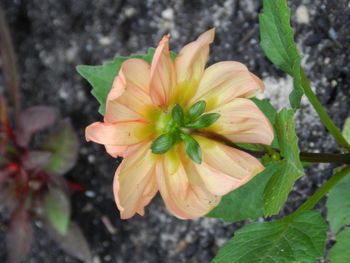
(139, 110)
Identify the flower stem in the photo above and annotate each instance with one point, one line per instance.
(326, 120)
(343, 158)
(316, 197)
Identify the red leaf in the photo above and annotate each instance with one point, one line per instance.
(19, 236)
(73, 242)
(33, 120)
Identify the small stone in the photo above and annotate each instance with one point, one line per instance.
(105, 41)
(302, 15)
(168, 14)
(90, 194)
(334, 83)
(327, 60)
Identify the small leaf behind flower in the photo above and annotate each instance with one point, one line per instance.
(163, 143)
(196, 110)
(57, 209)
(203, 121)
(192, 148)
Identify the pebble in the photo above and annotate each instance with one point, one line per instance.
(168, 14)
(302, 15)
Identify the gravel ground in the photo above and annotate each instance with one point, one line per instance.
(51, 37)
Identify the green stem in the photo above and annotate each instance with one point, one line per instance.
(316, 197)
(326, 120)
(343, 158)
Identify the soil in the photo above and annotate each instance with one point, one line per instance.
(51, 37)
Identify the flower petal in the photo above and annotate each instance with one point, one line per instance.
(241, 121)
(134, 183)
(190, 64)
(225, 81)
(118, 134)
(183, 192)
(163, 77)
(224, 168)
(116, 151)
(128, 99)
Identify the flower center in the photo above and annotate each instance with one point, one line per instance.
(176, 126)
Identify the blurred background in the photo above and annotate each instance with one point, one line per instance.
(51, 37)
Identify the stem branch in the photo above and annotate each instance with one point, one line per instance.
(326, 120)
(316, 197)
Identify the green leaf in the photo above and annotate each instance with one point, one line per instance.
(340, 253)
(63, 146)
(277, 42)
(57, 209)
(338, 204)
(246, 202)
(290, 239)
(289, 169)
(192, 148)
(196, 110)
(346, 129)
(177, 114)
(204, 121)
(101, 77)
(163, 143)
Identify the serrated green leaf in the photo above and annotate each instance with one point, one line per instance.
(277, 42)
(163, 143)
(289, 169)
(192, 148)
(340, 252)
(203, 121)
(101, 77)
(246, 202)
(57, 209)
(290, 239)
(196, 110)
(177, 114)
(63, 146)
(338, 205)
(346, 129)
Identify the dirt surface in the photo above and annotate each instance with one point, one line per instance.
(51, 37)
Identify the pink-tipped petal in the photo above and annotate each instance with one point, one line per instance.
(129, 97)
(163, 77)
(242, 121)
(190, 64)
(116, 151)
(225, 81)
(191, 60)
(184, 194)
(224, 168)
(134, 183)
(118, 134)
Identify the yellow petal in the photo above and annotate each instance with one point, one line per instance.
(129, 97)
(225, 81)
(184, 194)
(163, 77)
(118, 134)
(134, 183)
(241, 121)
(190, 64)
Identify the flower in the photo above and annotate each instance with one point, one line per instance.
(143, 112)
